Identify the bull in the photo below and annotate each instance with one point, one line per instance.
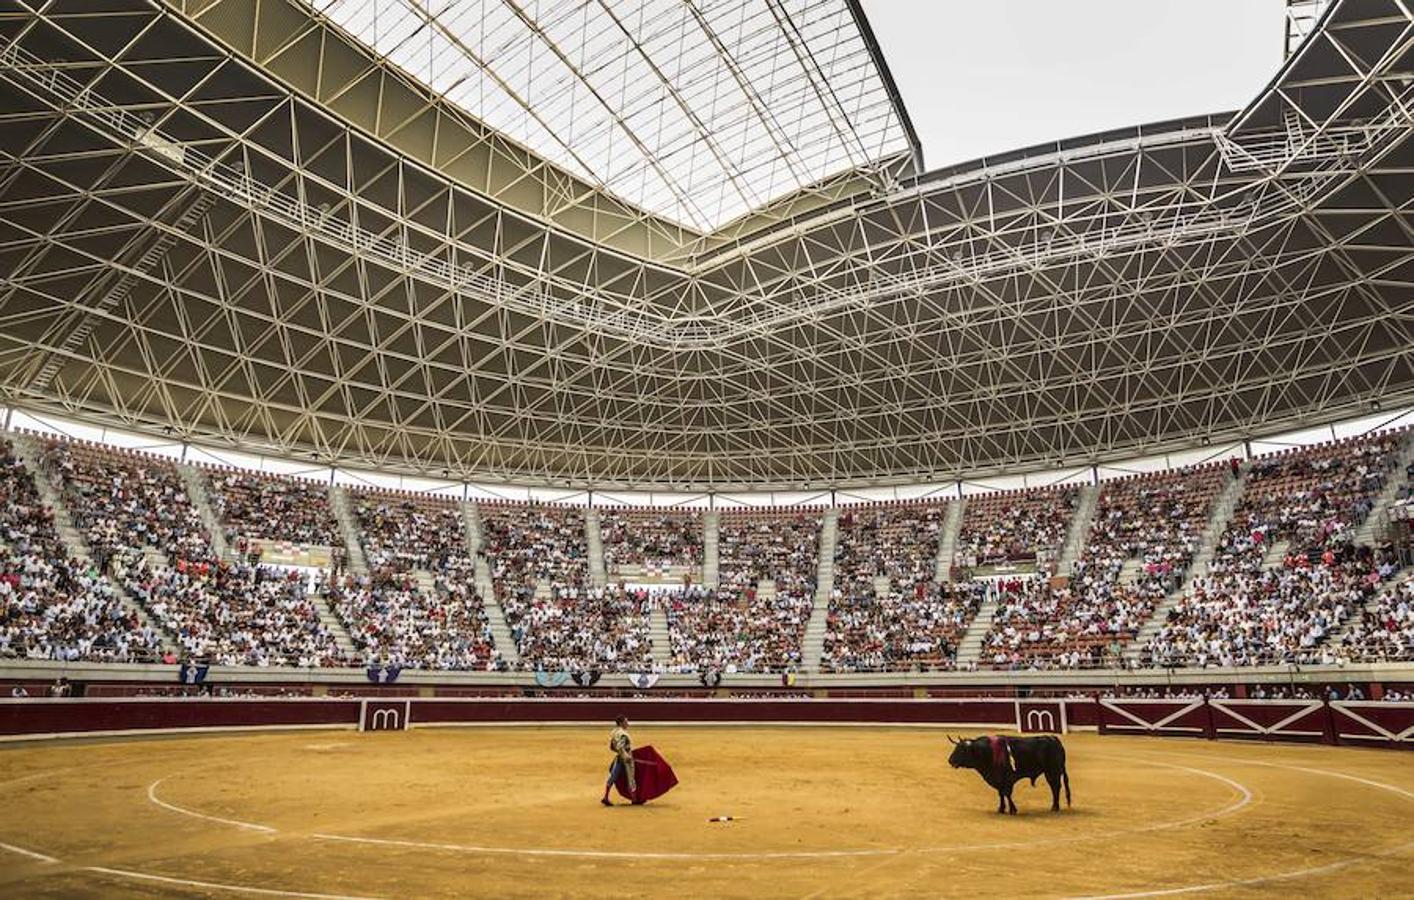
(1003, 761)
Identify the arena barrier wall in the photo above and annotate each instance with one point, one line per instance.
(1359, 723)
(35, 717)
(1352, 722)
(78, 716)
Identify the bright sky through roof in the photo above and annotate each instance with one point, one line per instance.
(986, 76)
(698, 111)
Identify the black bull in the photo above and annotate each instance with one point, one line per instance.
(1003, 761)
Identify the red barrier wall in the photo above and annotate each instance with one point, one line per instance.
(1360, 723)
(999, 714)
(19, 717)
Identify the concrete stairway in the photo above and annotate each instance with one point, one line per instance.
(342, 639)
(195, 482)
(348, 529)
(711, 554)
(482, 578)
(969, 649)
(813, 643)
(711, 557)
(495, 615)
(1079, 530)
(1376, 523)
(500, 631)
(1129, 572)
(74, 543)
(658, 635)
(594, 540)
(471, 523)
(1336, 636)
(947, 539)
(73, 540)
(825, 566)
(1217, 523)
(1202, 561)
(1276, 552)
(426, 582)
(155, 558)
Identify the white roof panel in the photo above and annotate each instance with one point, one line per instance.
(697, 111)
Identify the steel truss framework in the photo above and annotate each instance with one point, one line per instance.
(202, 237)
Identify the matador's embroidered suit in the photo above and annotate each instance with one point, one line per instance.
(622, 747)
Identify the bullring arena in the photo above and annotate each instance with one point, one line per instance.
(816, 810)
(579, 448)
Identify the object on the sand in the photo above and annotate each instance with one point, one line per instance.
(653, 774)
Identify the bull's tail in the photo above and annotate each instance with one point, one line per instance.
(1065, 779)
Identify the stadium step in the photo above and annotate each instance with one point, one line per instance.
(1129, 572)
(711, 528)
(29, 452)
(825, 565)
(426, 582)
(594, 539)
(200, 498)
(471, 519)
(1079, 529)
(947, 540)
(348, 528)
(495, 616)
(662, 652)
(1338, 635)
(1376, 526)
(1207, 549)
(155, 558)
(1272, 559)
(812, 645)
(500, 631)
(969, 649)
(342, 639)
(28, 449)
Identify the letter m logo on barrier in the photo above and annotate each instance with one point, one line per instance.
(384, 715)
(1040, 718)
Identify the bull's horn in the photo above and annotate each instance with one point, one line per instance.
(951, 739)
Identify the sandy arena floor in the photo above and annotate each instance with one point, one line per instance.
(821, 812)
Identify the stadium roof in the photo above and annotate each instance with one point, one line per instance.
(699, 112)
(228, 220)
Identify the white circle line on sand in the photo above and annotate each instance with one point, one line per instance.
(1244, 798)
(1261, 879)
(249, 826)
(218, 886)
(1280, 876)
(1408, 795)
(30, 853)
(33, 776)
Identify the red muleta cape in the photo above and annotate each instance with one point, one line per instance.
(653, 774)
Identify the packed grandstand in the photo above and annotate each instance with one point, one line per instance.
(445, 375)
(115, 555)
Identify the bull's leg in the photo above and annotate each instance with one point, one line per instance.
(1001, 801)
(1010, 802)
(1054, 781)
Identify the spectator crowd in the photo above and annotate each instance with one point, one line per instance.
(1289, 581)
